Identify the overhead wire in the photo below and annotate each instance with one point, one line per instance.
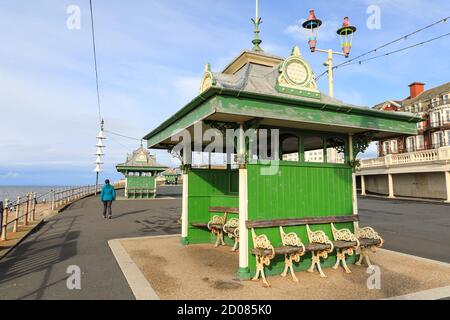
(404, 37)
(95, 62)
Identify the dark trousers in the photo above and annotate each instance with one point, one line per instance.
(107, 208)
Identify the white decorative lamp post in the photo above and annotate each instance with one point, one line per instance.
(98, 162)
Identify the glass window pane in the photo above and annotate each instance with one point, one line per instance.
(335, 150)
(313, 149)
(289, 148)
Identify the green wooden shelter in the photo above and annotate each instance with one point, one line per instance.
(318, 139)
(140, 170)
(172, 176)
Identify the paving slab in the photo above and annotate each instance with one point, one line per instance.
(202, 272)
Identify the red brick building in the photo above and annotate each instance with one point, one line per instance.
(433, 132)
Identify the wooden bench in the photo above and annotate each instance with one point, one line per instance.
(320, 246)
(219, 224)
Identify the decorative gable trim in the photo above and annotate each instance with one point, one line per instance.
(296, 77)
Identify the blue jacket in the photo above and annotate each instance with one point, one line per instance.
(108, 193)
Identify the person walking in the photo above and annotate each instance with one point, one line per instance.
(107, 196)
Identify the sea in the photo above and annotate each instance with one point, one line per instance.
(12, 192)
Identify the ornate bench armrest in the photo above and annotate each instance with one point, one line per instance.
(319, 237)
(216, 220)
(368, 233)
(291, 239)
(231, 226)
(344, 235)
(262, 242)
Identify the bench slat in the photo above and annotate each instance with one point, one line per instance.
(199, 225)
(300, 221)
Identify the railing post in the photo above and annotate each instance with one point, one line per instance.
(16, 221)
(388, 160)
(33, 215)
(5, 220)
(52, 200)
(25, 221)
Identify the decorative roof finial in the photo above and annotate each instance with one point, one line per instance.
(257, 22)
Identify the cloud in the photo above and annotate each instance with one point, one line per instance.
(9, 175)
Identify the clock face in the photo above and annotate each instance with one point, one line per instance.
(297, 73)
(141, 158)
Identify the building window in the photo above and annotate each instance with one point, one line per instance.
(437, 139)
(446, 98)
(435, 119)
(313, 149)
(407, 109)
(446, 115)
(394, 146)
(386, 148)
(434, 102)
(417, 107)
(420, 142)
(421, 125)
(410, 144)
(447, 137)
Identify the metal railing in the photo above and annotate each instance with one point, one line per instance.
(24, 208)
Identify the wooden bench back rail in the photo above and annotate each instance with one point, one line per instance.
(300, 221)
(223, 210)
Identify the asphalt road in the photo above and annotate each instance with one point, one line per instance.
(36, 269)
(413, 227)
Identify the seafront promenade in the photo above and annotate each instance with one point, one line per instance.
(78, 236)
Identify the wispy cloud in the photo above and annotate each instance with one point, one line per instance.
(10, 175)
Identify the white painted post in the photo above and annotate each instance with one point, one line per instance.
(52, 195)
(16, 221)
(447, 184)
(34, 202)
(5, 220)
(243, 208)
(354, 194)
(391, 186)
(25, 220)
(363, 186)
(187, 161)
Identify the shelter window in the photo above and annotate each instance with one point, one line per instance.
(313, 149)
(335, 150)
(290, 148)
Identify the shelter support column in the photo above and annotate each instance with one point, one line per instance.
(187, 160)
(391, 186)
(354, 194)
(447, 184)
(243, 272)
(363, 186)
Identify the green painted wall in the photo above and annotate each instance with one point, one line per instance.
(302, 190)
(140, 183)
(209, 188)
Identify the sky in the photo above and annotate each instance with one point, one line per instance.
(151, 56)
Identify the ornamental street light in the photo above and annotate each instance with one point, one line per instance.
(346, 32)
